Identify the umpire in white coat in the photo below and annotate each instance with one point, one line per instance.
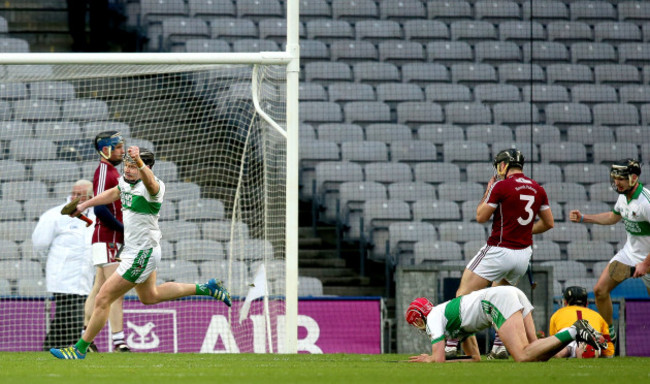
(69, 271)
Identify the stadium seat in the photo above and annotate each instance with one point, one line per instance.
(567, 113)
(411, 191)
(543, 94)
(468, 209)
(276, 30)
(12, 170)
(179, 270)
(315, 9)
(209, 9)
(352, 196)
(377, 216)
(461, 232)
(13, 91)
(13, 45)
(593, 93)
(421, 73)
(494, 93)
(592, 11)
(36, 110)
(201, 209)
(567, 191)
(496, 10)
(257, 9)
(609, 152)
(545, 52)
(465, 151)
(545, 10)
(473, 73)
(346, 91)
(254, 45)
(23, 190)
(460, 191)
(590, 134)
(320, 112)
(415, 112)
(11, 210)
(424, 31)
(330, 174)
(616, 74)
(224, 230)
(376, 31)
(337, 133)
(546, 250)
(199, 250)
(521, 74)
(436, 173)
(351, 51)
(56, 171)
(34, 208)
(568, 32)
(472, 31)
(515, 113)
(388, 172)
(388, 133)
(311, 153)
(412, 151)
(568, 74)
(634, 53)
(564, 270)
(586, 173)
(311, 92)
(155, 11)
(396, 92)
(91, 129)
(597, 250)
(449, 52)
(617, 32)
(563, 152)
(565, 233)
(546, 173)
(610, 233)
(634, 11)
(401, 52)
(32, 287)
(366, 112)
(489, 133)
(615, 114)
(354, 10)
(479, 172)
(634, 94)
(525, 147)
(364, 151)
(602, 192)
(541, 133)
(472, 248)
(374, 73)
(219, 269)
(429, 250)
(468, 113)
(85, 110)
(5, 287)
(449, 10)
(329, 31)
(403, 236)
(177, 30)
(520, 31)
(435, 211)
(443, 93)
(175, 191)
(20, 269)
(168, 211)
(440, 133)
(309, 287)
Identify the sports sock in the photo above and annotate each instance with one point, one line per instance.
(612, 332)
(82, 346)
(202, 290)
(118, 338)
(567, 335)
(497, 342)
(452, 343)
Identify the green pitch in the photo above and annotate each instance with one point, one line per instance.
(40, 367)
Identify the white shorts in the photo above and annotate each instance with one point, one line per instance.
(502, 302)
(496, 263)
(105, 253)
(627, 259)
(138, 264)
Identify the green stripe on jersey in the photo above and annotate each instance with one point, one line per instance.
(452, 313)
(493, 312)
(140, 204)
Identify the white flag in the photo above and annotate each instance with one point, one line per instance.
(257, 289)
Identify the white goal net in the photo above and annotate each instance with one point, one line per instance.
(223, 215)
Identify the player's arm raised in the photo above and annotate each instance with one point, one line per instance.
(484, 210)
(146, 174)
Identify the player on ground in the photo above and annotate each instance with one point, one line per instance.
(109, 231)
(633, 260)
(505, 308)
(575, 308)
(515, 201)
(141, 193)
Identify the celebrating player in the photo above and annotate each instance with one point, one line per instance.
(109, 231)
(515, 200)
(141, 193)
(633, 260)
(575, 308)
(505, 308)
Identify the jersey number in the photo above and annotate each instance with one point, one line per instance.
(529, 203)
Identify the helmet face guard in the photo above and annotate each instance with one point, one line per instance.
(417, 312)
(576, 296)
(512, 158)
(624, 169)
(110, 139)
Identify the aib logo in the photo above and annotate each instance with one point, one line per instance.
(143, 336)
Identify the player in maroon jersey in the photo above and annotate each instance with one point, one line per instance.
(109, 231)
(515, 201)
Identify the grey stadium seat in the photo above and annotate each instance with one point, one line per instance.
(545, 10)
(473, 73)
(353, 50)
(569, 31)
(388, 172)
(179, 230)
(378, 215)
(372, 72)
(565, 233)
(634, 53)
(566, 191)
(424, 73)
(91, 129)
(521, 74)
(545, 52)
(401, 52)
(424, 31)
(392, 92)
(182, 270)
(315, 9)
(276, 30)
(496, 10)
(330, 174)
(461, 232)
(410, 151)
(312, 92)
(230, 29)
(256, 9)
(415, 112)
(465, 151)
(616, 74)
(592, 53)
(468, 209)
(593, 93)
(629, 134)
(448, 10)
(388, 133)
(617, 32)
(403, 236)
(460, 191)
(491, 93)
(364, 151)
(32, 149)
(586, 173)
(168, 211)
(447, 92)
(589, 134)
(436, 251)
(567, 113)
(449, 52)
(602, 192)
(201, 209)
(12, 170)
(566, 74)
(563, 152)
(401, 10)
(468, 113)
(352, 196)
(615, 114)
(586, 207)
(182, 190)
(435, 211)
(472, 248)
(206, 45)
(177, 30)
(592, 11)
(377, 30)
(56, 171)
(610, 233)
(309, 286)
(329, 30)
(635, 94)
(566, 269)
(224, 230)
(12, 210)
(13, 45)
(515, 113)
(436, 173)
(546, 173)
(154, 11)
(543, 94)
(541, 133)
(480, 172)
(366, 112)
(610, 152)
(354, 10)
(339, 133)
(13, 129)
(634, 11)
(521, 31)
(16, 230)
(546, 250)
(320, 112)
(345, 91)
(36, 109)
(472, 30)
(85, 109)
(57, 130)
(199, 250)
(13, 91)
(489, 133)
(207, 9)
(313, 50)
(440, 133)
(254, 45)
(311, 153)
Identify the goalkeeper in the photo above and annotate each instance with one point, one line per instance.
(504, 307)
(141, 193)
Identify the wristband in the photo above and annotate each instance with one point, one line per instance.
(582, 218)
(141, 168)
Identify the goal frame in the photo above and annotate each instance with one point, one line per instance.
(291, 59)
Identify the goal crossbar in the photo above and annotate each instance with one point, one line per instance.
(268, 58)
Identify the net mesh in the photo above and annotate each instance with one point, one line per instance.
(222, 216)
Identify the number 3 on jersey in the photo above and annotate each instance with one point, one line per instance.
(529, 199)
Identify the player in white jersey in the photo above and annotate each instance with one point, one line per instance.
(504, 307)
(141, 193)
(633, 260)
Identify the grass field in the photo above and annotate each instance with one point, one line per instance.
(41, 367)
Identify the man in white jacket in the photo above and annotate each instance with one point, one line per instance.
(69, 270)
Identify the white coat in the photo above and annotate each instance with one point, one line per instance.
(66, 241)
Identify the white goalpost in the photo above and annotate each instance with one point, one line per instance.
(224, 128)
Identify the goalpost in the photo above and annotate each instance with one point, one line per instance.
(224, 128)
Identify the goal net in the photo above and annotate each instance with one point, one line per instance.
(223, 161)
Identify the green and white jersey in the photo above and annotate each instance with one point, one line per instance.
(463, 316)
(636, 217)
(140, 212)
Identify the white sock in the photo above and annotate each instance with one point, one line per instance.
(118, 338)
